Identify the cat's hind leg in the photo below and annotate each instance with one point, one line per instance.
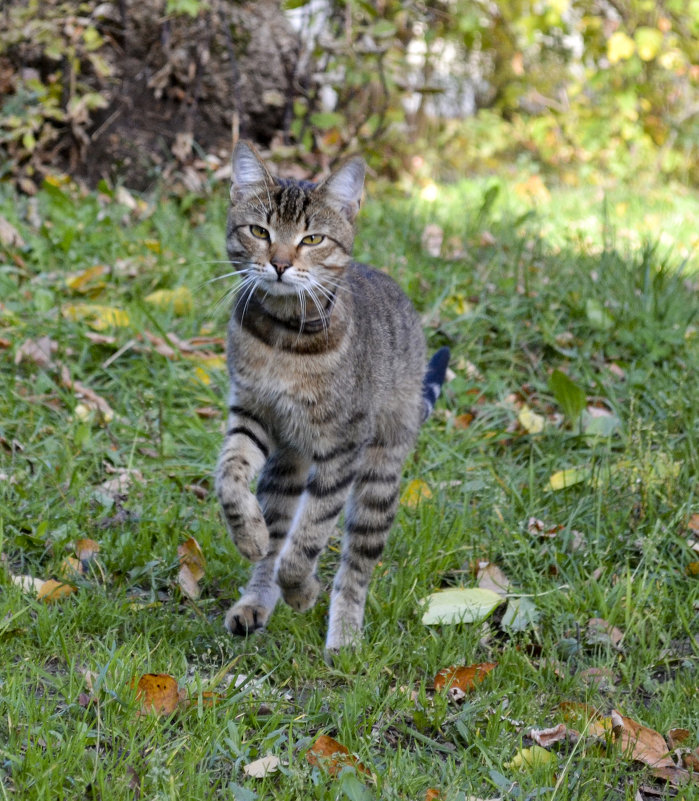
(370, 513)
(278, 490)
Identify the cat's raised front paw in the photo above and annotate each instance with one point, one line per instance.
(245, 617)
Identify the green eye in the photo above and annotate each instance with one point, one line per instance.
(312, 239)
(259, 232)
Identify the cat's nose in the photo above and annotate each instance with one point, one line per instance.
(280, 265)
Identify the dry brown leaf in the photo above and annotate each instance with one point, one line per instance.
(676, 737)
(675, 776)
(157, 693)
(117, 488)
(52, 591)
(600, 632)
(196, 489)
(332, 756)
(192, 564)
(641, 743)
(690, 760)
(556, 734)
(433, 795)
(460, 680)
(37, 351)
(693, 523)
(490, 577)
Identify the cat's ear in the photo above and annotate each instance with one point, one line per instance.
(343, 188)
(248, 173)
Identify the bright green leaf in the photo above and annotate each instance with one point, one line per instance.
(569, 395)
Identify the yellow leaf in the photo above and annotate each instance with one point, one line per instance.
(620, 47)
(53, 590)
(153, 245)
(84, 281)
(157, 693)
(534, 757)
(97, 316)
(416, 490)
(530, 421)
(202, 375)
(567, 478)
(179, 299)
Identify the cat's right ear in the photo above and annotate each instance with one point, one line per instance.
(248, 173)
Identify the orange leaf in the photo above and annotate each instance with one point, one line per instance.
(432, 795)
(157, 693)
(693, 523)
(53, 590)
(462, 678)
(86, 549)
(462, 421)
(332, 756)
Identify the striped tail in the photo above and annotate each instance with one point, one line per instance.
(433, 380)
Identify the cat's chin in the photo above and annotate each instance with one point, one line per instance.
(279, 289)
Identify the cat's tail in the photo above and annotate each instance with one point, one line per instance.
(433, 380)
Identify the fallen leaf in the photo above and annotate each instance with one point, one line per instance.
(89, 396)
(534, 757)
(460, 605)
(86, 549)
(38, 351)
(9, 235)
(179, 300)
(262, 767)
(192, 563)
(415, 491)
(52, 591)
(641, 743)
(86, 281)
(530, 421)
(462, 421)
(676, 737)
(28, 583)
(70, 568)
(490, 577)
(157, 692)
(432, 238)
(556, 734)
(678, 777)
(432, 795)
(693, 523)
(332, 756)
(601, 632)
(97, 316)
(460, 680)
(562, 479)
(208, 412)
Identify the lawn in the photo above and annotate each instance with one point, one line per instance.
(563, 453)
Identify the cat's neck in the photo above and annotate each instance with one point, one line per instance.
(302, 315)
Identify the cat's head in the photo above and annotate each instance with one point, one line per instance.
(289, 236)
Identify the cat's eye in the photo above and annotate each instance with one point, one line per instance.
(312, 239)
(259, 232)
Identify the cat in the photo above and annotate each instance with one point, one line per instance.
(328, 389)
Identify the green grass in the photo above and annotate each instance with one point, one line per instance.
(527, 298)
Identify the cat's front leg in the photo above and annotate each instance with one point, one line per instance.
(245, 449)
(278, 490)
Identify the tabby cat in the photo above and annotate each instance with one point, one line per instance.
(328, 390)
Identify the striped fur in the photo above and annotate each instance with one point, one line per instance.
(328, 390)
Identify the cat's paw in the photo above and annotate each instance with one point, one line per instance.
(300, 594)
(250, 533)
(246, 616)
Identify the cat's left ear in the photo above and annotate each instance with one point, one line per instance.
(343, 188)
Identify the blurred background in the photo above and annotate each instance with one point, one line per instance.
(565, 91)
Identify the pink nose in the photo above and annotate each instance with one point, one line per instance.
(280, 265)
